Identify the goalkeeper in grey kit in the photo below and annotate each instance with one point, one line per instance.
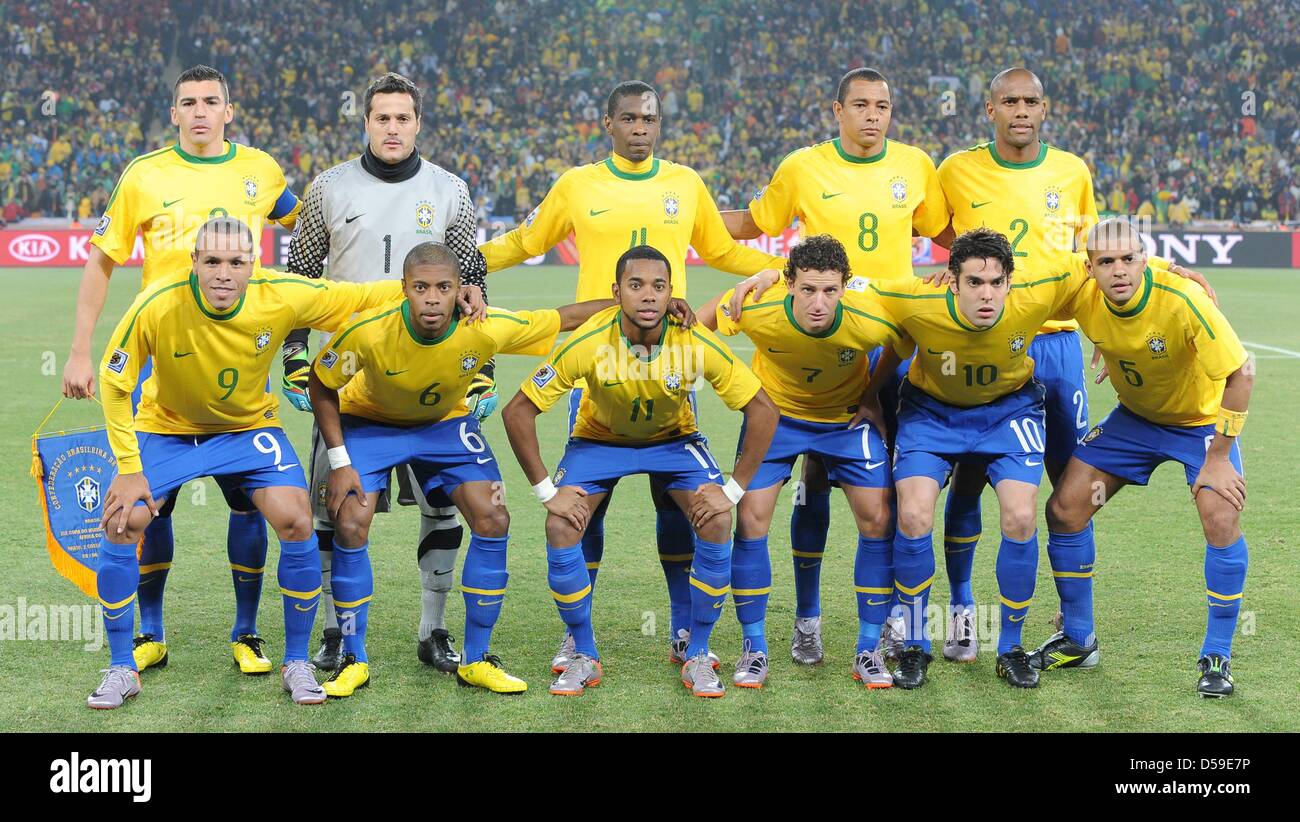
(364, 215)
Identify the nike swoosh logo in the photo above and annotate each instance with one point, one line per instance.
(609, 384)
(169, 204)
(714, 475)
(1212, 605)
(596, 213)
(119, 616)
(442, 573)
(493, 602)
(1033, 463)
(877, 602)
(1014, 618)
(935, 353)
(286, 467)
(826, 196)
(774, 351)
(979, 205)
(717, 604)
(249, 579)
(871, 466)
(395, 373)
(809, 564)
(353, 217)
(178, 354)
(298, 607)
(746, 602)
(482, 460)
(568, 607)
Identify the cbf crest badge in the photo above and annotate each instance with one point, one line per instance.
(1156, 343)
(1092, 435)
(1016, 343)
(262, 339)
(468, 361)
(898, 190)
(1052, 198)
(250, 190)
(848, 355)
(87, 494)
(672, 205)
(673, 381)
(424, 216)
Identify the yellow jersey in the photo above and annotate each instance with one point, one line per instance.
(1041, 206)
(636, 394)
(210, 369)
(1169, 348)
(616, 204)
(168, 194)
(870, 204)
(966, 366)
(814, 377)
(386, 372)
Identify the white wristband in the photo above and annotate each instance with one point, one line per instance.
(544, 490)
(338, 457)
(733, 491)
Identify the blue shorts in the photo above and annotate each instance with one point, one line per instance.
(1006, 436)
(442, 454)
(262, 458)
(681, 463)
(889, 391)
(852, 456)
(1058, 365)
(1130, 447)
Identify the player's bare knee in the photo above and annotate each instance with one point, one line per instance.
(915, 520)
(294, 526)
(1220, 521)
(1019, 521)
(560, 533)
(1064, 518)
(717, 529)
(752, 523)
(492, 523)
(351, 532)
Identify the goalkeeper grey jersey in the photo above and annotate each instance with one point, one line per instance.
(359, 228)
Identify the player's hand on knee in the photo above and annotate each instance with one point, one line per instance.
(570, 504)
(759, 284)
(342, 483)
(472, 305)
(707, 502)
(681, 309)
(870, 412)
(119, 502)
(1222, 478)
(78, 378)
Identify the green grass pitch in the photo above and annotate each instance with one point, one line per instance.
(1150, 590)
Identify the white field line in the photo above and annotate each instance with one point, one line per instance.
(1263, 347)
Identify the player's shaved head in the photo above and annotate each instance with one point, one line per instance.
(199, 74)
(431, 254)
(1006, 76)
(1113, 235)
(223, 234)
(865, 74)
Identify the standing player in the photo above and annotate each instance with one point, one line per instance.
(632, 198)
(970, 395)
(208, 414)
(366, 215)
(1184, 384)
(1040, 197)
(810, 357)
(872, 194)
(390, 389)
(166, 195)
(636, 417)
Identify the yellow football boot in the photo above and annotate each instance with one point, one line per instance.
(248, 654)
(349, 676)
(149, 653)
(488, 673)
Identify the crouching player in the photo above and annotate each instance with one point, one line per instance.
(1184, 383)
(636, 418)
(390, 389)
(811, 356)
(206, 412)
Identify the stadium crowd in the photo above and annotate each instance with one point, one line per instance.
(1186, 110)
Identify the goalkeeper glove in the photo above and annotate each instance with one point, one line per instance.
(297, 369)
(481, 399)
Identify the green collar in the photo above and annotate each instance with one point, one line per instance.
(655, 349)
(627, 175)
(1034, 163)
(205, 306)
(956, 315)
(415, 335)
(1139, 304)
(875, 158)
(190, 158)
(835, 326)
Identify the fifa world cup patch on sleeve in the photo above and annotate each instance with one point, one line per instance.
(329, 359)
(102, 225)
(117, 362)
(543, 376)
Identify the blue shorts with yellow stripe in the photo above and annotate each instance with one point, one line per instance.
(1006, 435)
(852, 456)
(443, 455)
(247, 460)
(681, 463)
(1058, 365)
(1131, 447)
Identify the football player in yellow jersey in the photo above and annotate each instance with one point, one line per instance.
(632, 198)
(811, 358)
(167, 194)
(1184, 383)
(872, 194)
(970, 396)
(213, 337)
(636, 417)
(390, 389)
(1040, 197)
